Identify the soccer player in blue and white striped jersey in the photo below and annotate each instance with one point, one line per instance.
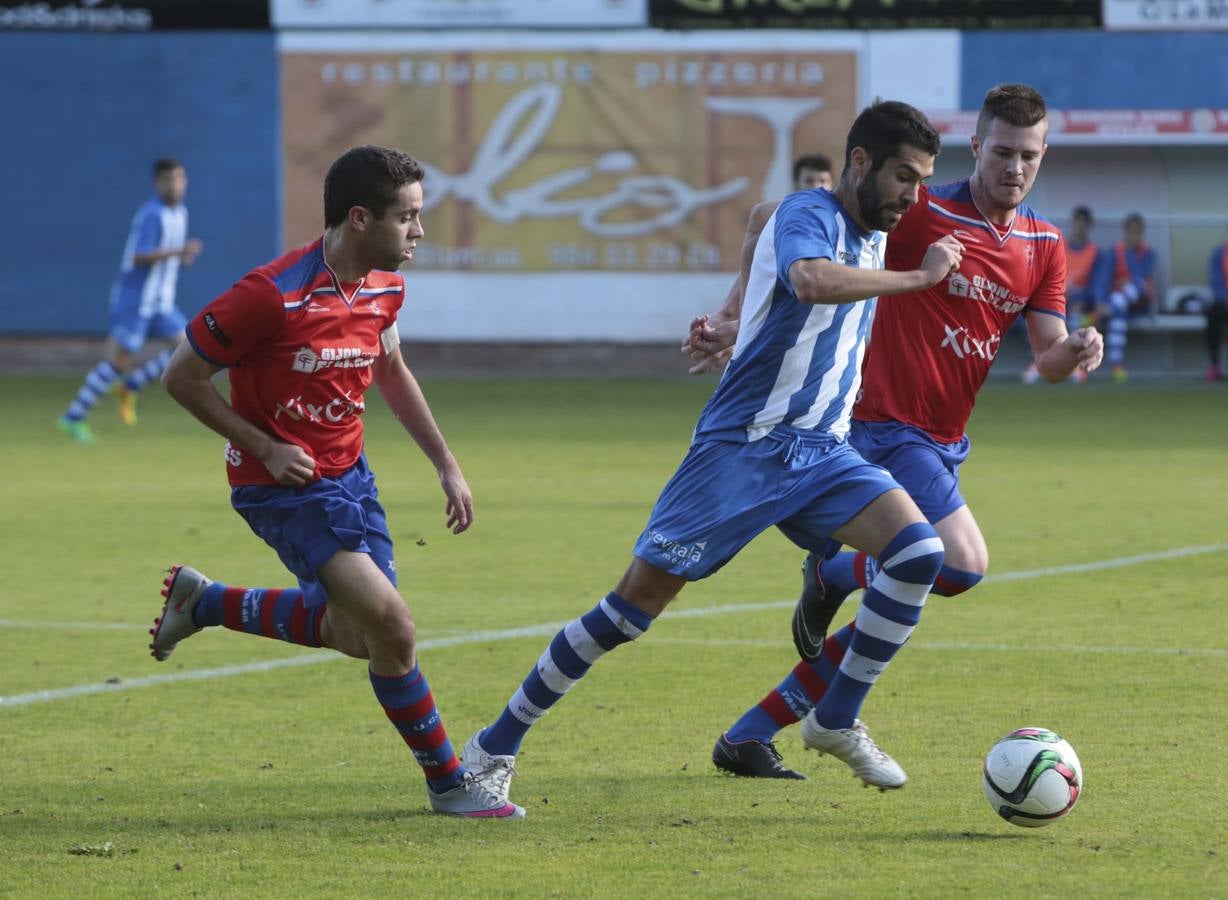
(770, 447)
(142, 301)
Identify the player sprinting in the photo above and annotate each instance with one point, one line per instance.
(303, 337)
(142, 301)
(769, 447)
(929, 355)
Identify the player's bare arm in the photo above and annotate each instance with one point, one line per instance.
(824, 281)
(1059, 353)
(188, 379)
(710, 340)
(404, 397)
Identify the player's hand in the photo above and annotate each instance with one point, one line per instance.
(942, 258)
(459, 509)
(190, 251)
(1089, 346)
(290, 464)
(709, 343)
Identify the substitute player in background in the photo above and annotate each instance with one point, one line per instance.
(929, 355)
(1132, 265)
(303, 338)
(813, 170)
(769, 446)
(142, 301)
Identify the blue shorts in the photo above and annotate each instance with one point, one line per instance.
(807, 484)
(927, 469)
(307, 526)
(131, 330)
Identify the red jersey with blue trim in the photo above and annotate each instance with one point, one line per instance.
(299, 345)
(930, 351)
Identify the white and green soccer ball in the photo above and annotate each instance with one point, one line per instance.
(1032, 777)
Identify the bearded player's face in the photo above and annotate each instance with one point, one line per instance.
(883, 196)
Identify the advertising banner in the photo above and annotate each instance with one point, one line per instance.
(1166, 15)
(1111, 126)
(570, 160)
(864, 14)
(460, 13)
(132, 15)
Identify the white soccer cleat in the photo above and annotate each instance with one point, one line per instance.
(182, 589)
(493, 771)
(854, 747)
(473, 800)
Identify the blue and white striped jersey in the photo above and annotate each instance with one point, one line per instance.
(151, 289)
(796, 364)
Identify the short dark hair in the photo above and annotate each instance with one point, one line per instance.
(367, 176)
(816, 161)
(885, 126)
(1014, 104)
(165, 164)
(1133, 219)
(1083, 212)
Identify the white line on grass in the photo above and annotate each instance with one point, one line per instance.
(35, 625)
(549, 628)
(956, 645)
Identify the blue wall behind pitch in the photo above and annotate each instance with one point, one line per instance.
(1100, 70)
(85, 116)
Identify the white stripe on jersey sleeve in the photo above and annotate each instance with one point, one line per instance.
(760, 286)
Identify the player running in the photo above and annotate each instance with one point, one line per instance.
(142, 302)
(303, 337)
(930, 354)
(769, 446)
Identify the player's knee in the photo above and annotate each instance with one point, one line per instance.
(402, 633)
(967, 553)
(648, 588)
(392, 631)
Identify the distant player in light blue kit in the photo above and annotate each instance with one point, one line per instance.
(770, 448)
(142, 301)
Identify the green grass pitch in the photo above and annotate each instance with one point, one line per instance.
(286, 781)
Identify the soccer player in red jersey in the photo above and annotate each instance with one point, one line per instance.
(302, 338)
(929, 354)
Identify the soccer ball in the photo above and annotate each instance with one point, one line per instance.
(1032, 777)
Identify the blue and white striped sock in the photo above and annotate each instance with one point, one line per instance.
(151, 371)
(890, 610)
(570, 655)
(97, 382)
(1115, 340)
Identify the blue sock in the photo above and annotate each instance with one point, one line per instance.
(409, 705)
(151, 370)
(793, 698)
(952, 582)
(97, 382)
(571, 654)
(1117, 329)
(846, 572)
(208, 609)
(890, 610)
(277, 613)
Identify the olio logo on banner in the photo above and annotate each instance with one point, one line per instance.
(556, 161)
